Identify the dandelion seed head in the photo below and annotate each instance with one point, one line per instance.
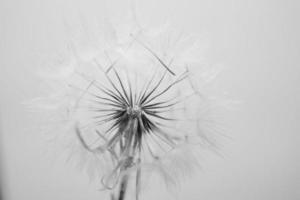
(134, 103)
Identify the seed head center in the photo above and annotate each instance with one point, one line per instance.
(134, 111)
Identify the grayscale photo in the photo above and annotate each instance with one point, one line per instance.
(149, 100)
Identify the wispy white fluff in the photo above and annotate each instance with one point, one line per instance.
(140, 57)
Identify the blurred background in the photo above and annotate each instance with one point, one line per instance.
(257, 42)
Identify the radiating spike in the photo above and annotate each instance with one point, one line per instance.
(122, 86)
(113, 85)
(156, 56)
(154, 88)
(166, 89)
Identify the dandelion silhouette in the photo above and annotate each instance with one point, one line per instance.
(133, 107)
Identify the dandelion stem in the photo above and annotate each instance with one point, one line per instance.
(123, 187)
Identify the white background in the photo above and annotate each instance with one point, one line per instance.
(256, 40)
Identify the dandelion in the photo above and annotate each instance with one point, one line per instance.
(134, 105)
